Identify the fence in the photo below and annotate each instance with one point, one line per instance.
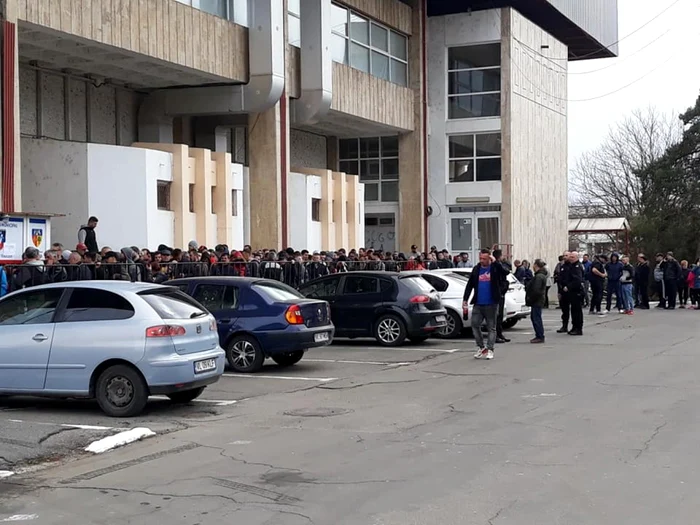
(289, 272)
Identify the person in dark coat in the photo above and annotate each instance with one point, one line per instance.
(500, 338)
(87, 236)
(535, 292)
(596, 278)
(642, 277)
(571, 286)
(672, 274)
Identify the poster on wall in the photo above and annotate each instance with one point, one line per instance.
(11, 239)
(38, 234)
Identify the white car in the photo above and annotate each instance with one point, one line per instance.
(515, 308)
(450, 288)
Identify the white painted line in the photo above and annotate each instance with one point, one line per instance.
(240, 443)
(20, 517)
(6, 474)
(539, 395)
(286, 378)
(217, 402)
(87, 427)
(347, 362)
(119, 440)
(436, 350)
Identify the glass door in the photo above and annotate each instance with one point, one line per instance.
(472, 231)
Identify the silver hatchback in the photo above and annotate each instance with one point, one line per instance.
(114, 341)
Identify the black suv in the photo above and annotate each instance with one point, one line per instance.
(387, 306)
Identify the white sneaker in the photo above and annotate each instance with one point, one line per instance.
(489, 354)
(604, 312)
(481, 354)
(622, 311)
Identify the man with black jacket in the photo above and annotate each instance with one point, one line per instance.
(672, 273)
(641, 279)
(500, 338)
(571, 287)
(485, 281)
(86, 235)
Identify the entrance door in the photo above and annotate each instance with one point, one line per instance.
(472, 231)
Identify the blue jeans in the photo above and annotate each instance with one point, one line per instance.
(627, 300)
(536, 318)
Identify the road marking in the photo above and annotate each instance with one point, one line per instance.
(240, 443)
(539, 395)
(439, 350)
(119, 440)
(346, 362)
(217, 402)
(286, 378)
(6, 474)
(20, 517)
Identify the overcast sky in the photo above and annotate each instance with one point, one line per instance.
(673, 86)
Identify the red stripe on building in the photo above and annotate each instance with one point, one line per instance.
(283, 160)
(9, 36)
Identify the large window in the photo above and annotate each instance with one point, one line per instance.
(366, 45)
(474, 81)
(294, 22)
(234, 10)
(376, 161)
(475, 157)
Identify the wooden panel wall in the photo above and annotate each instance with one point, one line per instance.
(362, 95)
(162, 29)
(393, 13)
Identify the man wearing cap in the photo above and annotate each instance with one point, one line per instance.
(86, 235)
(81, 248)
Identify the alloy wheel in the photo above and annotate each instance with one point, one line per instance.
(243, 354)
(449, 328)
(389, 330)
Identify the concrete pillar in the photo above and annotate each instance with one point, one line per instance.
(265, 178)
(10, 182)
(411, 227)
(223, 205)
(203, 182)
(332, 153)
(340, 211)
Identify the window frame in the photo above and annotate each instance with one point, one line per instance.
(379, 158)
(164, 189)
(227, 288)
(64, 317)
(449, 96)
(474, 158)
(388, 53)
(60, 304)
(349, 277)
(292, 15)
(315, 209)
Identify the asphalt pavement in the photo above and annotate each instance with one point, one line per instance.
(599, 429)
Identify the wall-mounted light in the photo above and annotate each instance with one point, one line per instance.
(472, 200)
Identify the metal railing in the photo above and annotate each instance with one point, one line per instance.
(289, 272)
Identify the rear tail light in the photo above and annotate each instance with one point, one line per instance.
(328, 312)
(165, 331)
(212, 325)
(420, 299)
(293, 315)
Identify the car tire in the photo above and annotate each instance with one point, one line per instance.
(121, 391)
(245, 355)
(454, 326)
(289, 359)
(389, 330)
(186, 395)
(509, 323)
(419, 338)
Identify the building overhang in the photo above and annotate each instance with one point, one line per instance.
(589, 31)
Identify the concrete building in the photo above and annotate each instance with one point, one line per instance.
(392, 122)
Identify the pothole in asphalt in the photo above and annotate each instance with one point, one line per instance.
(318, 412)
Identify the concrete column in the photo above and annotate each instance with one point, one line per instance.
(340, 210)
(265, 178)
(506, 236)
(332, 153)
(351, 218)
(203, 182)
(10, 176)
(411, 227)
(223, 205)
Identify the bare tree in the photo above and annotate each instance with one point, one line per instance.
(604, 180)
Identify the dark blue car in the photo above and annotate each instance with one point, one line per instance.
(260, 318)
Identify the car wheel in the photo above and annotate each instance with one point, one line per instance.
(509, 323)
(121, 391)
(390, 331)
(186, 395)
(245, 355)
(292, 358)
(419, 338)
(453, 328)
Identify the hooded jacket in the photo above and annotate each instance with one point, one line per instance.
(31, 273)
(129, 271)
(614, 268)
(536, 289)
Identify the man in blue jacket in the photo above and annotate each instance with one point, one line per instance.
(614, 271)
(486, 282)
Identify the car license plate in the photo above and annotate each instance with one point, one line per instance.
(321, 338)
(440, 319)
(204, 366)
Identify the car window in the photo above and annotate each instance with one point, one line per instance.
(322, 288)
(35, 307)
(358, 284)
(173, 304)
(417, 283)
(439, 284)
(385, 285)
(273, 292)
(87, 304)
(216, 297)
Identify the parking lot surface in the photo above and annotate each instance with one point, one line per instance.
(578, 430)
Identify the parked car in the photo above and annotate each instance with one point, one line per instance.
(261, 318)
(515, 308)
(450, 288)
(388, 306)
(115, 341)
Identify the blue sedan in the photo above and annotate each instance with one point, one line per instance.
(261, 318)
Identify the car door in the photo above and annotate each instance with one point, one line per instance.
(222, 301)
(358, 303)
(27, 332)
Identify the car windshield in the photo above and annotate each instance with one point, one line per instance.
(416, 282)
(171, 303)
(274, 292)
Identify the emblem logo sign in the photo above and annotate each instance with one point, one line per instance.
(3, 238)
(37, 236)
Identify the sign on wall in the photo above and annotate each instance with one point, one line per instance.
(38, 234)
(11, 239)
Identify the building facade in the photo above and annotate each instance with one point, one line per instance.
(394, 122)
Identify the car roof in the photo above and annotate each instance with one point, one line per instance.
(220, 278)
(121, 286)
(366, 273)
